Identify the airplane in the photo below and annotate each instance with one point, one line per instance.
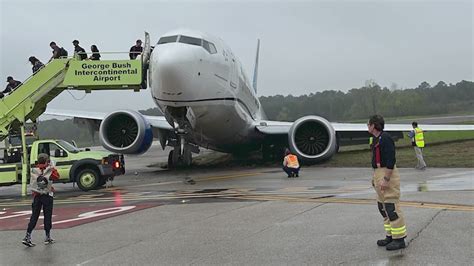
(208, 101)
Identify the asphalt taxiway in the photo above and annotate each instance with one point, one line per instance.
(251, 216)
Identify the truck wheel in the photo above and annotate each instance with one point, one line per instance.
(87, 179)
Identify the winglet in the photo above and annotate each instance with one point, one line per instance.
(255, 71)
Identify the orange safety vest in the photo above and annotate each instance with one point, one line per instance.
(292, 161)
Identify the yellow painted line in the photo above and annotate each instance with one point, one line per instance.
(244, 195)
(454, 207)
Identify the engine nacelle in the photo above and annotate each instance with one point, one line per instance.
(126, 132)
(312, 139)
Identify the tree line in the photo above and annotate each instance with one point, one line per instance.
(355, 104)
(372, 99)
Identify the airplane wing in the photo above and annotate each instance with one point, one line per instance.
(276, 127)
(158, 122)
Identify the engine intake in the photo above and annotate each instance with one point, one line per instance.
(312, 139)
(126, 132)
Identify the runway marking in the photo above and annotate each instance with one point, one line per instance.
(70, 216)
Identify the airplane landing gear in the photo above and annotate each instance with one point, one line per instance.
(175, 160)
(181, 155)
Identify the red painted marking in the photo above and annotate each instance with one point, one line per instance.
(68, 216)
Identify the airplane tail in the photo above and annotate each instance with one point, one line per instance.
(255, 71)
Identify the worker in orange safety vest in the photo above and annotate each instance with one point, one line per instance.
(291, 166)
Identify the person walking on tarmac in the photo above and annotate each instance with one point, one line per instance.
(95, 55)
(37, 65)
(42, 176)
(418, 143)
(79, 51)
(386, 182)
(136, 50)
(58, 52)
(291, 165)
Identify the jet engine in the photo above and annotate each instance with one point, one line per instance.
(312, 139)
(126, 132)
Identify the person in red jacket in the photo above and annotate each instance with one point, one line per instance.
(41, 183)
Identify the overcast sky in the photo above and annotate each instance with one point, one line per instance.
(306, 46)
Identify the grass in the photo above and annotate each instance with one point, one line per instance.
(453, 153)
(444, 149)
(431, 138)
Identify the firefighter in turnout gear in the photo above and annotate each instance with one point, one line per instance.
(386, 182)
(291, 166)
(418, 143)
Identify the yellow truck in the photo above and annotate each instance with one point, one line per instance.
(88, 169)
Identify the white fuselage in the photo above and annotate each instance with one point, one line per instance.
(221, 104)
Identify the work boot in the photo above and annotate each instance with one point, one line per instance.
(27, 241)
(396, 244)
(48, 240)
(384, 242)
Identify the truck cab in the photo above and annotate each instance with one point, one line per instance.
(89, 169)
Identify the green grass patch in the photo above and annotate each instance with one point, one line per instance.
(431, 138)
(454, 153)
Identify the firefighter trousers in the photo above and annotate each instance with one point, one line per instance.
(388, 203)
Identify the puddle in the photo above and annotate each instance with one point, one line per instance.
(448, 184)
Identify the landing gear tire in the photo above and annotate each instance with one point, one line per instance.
(187, 158)
(171, 165)
(177, 161)
(87, 179)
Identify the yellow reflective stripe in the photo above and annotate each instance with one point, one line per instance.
(387, 226)
(399, 229)
(399, 232)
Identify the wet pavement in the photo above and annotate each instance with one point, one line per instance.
(253, 216)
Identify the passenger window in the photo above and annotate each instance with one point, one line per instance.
(168, 39)
(190, 40)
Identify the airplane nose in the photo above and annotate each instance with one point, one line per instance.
(176, 68)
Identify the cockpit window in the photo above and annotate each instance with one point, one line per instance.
(213, 48)
(209, 46)
(190, 40)
(168, 39)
